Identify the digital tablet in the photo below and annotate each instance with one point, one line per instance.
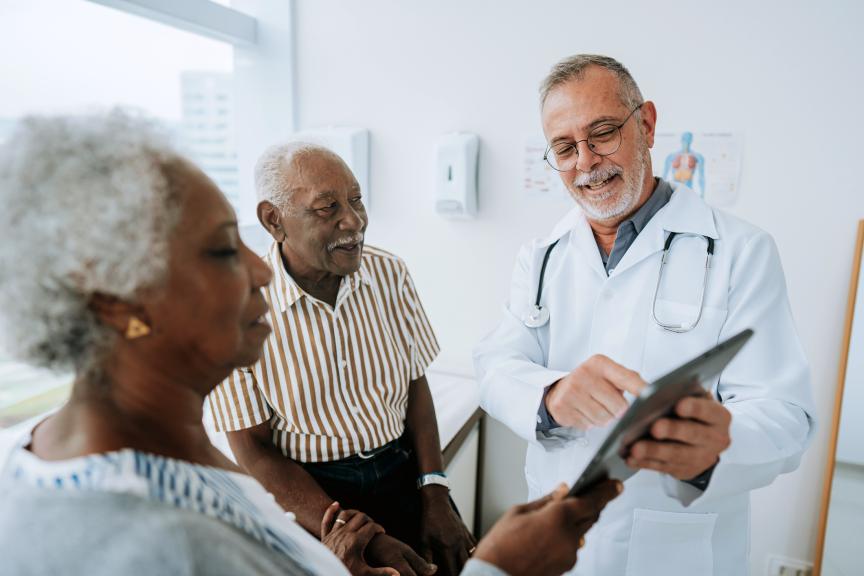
(656, 400)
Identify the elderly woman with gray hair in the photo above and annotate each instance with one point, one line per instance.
(121, 261)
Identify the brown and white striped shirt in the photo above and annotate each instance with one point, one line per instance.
(333, 381)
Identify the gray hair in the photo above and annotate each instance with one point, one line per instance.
(88, 208)
(574, 68)
(273, 168)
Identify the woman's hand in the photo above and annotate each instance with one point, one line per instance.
(543, 537)
(347, 533)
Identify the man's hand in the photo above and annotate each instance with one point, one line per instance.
(347, 533)
(385, 550)
(443, 536)
(592, 394)
(543, 537)
(686, 446)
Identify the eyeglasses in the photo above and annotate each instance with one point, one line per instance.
(603, 141)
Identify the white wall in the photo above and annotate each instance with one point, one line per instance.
(786, 73)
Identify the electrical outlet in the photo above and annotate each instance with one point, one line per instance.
(783, 566)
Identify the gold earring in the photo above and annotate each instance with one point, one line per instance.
(136, 329)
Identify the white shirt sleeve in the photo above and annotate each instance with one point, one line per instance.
(476, 567)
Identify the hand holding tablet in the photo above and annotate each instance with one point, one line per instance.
(687, 444)
(657, 401)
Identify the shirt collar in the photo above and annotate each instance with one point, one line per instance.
(288, 292)
(685, 212)
(658, 199)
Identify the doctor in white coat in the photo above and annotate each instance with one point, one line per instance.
(560, 383)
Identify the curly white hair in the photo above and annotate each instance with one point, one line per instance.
(87, 207)
(275, 164)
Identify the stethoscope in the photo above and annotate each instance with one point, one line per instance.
(538, 315)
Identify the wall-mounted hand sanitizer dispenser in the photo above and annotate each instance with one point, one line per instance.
(456, 175)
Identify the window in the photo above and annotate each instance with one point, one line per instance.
(174, 61)
(88, 55)
(26, 392)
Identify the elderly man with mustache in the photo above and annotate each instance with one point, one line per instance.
(338, 409)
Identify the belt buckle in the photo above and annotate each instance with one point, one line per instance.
(374, 452)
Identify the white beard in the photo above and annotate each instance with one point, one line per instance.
(599, 208)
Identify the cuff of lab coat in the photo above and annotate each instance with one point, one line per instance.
(546, 429)
(559, 437)
(687, 491)
(545, 421)
(739, 470)
(702, 480)
(550, 433)
(515, 398)
(477, 567)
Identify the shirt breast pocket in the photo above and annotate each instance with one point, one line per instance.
(665, 349)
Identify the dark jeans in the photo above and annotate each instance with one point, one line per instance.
(383, 486)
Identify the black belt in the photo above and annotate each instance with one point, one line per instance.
(361, 456)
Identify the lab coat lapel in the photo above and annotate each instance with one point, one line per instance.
(581, 238)
(685, 213)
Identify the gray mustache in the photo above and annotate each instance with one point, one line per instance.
(355, 239)
(596, 176)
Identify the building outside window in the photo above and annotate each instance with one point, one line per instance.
(207, 127)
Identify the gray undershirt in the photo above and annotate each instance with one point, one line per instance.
(633, 226)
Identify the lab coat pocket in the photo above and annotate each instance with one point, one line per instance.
(666, 350)
(671, 544)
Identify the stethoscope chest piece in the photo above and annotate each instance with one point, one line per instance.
(536, 317)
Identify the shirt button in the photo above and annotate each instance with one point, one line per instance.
(538, 419)
(608, 294)
(343, 364)
(355, 410)
(583, 442)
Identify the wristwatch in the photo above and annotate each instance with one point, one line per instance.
(438, 478)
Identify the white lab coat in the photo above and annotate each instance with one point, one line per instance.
(659, 526)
